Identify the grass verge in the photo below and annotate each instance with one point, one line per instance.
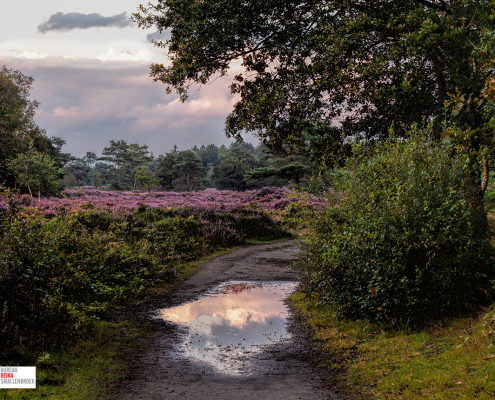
(450, 360)
(256, 241)
(89, 369)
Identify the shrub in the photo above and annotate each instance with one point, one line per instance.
(153, 214)
(401, 241)
(96, 220)
(64, 266)
(174, 239)
(256, 225)
(55, 277)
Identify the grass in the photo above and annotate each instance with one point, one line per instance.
(84, 371)
(449, 360)
(256, 241)
(90, 368)
(271, 248)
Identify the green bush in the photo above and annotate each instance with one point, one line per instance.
(253, 225)
(402, 241)
(174, 239)
(56, 278)
(153, 214)
(188, 227)
(59, 275)
(96, 219)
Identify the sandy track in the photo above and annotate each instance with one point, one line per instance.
(280, 371)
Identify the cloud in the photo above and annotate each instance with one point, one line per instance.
(113, 55)
(88, 102)
(70, 21)
(32, 54)
(158, 36)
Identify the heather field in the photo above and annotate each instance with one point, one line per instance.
(209, 200)
(67, 262)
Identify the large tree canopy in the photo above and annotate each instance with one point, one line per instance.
(18, 130)
(368, 64)
(17, 126)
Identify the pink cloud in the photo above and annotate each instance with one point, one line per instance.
(88, 102)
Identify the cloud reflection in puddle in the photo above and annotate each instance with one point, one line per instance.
(225, 329)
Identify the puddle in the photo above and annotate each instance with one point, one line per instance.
(232, 323)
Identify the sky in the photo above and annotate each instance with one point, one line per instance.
(91, 70)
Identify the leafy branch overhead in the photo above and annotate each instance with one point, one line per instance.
(368, 65)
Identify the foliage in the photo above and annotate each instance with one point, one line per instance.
(209, 155)
(35, 170)
(474, 113)
(146, 179)
(229, 174)
(245, 153)
(17, 126)
(63, 270)
(97, 180)
(226, 166)
(126, 159)
(12, 203)
(292, 172)
(71, 182)
(165, 171)
(189, 171)
(489, 326)
(53, 149)
(402, 241)
(369, 65)
(56, 278)
(377, 363)
(78, 170)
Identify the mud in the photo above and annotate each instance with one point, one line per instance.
(279, 370)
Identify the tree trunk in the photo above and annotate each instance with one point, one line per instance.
(478, 207)
(30, 192)
(486, 172)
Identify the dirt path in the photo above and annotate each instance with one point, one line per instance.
(279, 370)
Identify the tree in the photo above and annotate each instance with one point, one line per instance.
(291, 173)
(166, 171)
(71, 181)
(126, 160)
(35, 170)
(78, 170)
(102, 169)
(146, 178)
(97, 180)
(137, 158)
(229, 174)
(89, 159)
(209, 155)
(369, 65)
(189, 170)
(17, 126)
(53, 148)
(244, 152)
